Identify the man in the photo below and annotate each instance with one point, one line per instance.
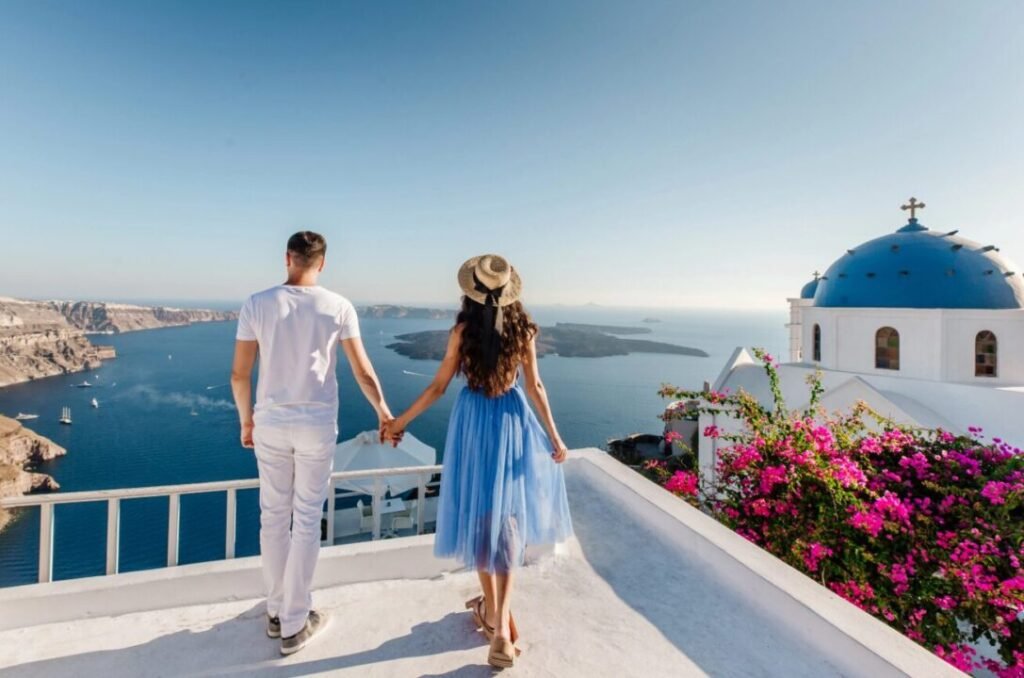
(295, 329)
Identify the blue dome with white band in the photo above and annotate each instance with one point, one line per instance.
(919, 268)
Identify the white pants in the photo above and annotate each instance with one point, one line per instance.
(295, 465)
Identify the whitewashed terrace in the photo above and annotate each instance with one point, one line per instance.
(650, 587)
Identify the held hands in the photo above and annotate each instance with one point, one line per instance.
(391, 431)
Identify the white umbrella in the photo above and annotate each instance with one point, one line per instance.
(365, 452)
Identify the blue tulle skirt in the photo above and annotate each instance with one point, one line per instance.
(500, 489)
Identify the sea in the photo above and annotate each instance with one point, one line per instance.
(165, 416)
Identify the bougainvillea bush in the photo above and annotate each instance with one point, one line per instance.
(922, 529)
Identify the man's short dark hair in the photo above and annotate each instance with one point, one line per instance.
(306, 247)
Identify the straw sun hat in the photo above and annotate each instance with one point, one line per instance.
(490, 277)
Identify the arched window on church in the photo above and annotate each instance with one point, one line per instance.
(985, 354)
(817, 343)
(887, 349)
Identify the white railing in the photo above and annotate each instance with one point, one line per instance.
(46, 502)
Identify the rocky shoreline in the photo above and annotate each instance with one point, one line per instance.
(20, 450)
(46, 338)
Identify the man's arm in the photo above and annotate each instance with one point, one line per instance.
(241, 386)
(363, 372)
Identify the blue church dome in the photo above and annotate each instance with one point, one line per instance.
(919, 268)
(808, 290)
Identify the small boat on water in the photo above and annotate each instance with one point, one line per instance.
(194, 413)
(65, 415)
(95, 403)
(25, 417)
(84, 384)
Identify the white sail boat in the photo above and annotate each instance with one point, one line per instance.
(95, 403)
(65, 415)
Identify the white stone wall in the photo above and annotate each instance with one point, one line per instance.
(935, 344)
(796, 330)
(960, 328)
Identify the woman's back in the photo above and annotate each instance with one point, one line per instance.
(501, 486)
(493, 343)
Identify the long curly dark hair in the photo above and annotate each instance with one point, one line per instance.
(488, 361)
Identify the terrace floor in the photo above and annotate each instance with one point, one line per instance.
(622, 600)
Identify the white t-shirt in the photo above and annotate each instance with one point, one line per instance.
(298, 329)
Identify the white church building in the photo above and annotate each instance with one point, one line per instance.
(926, 327)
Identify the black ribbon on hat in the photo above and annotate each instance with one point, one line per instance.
(494, 320)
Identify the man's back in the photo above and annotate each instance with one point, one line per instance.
(294, 330)
(297, 328)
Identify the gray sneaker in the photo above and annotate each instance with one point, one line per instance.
(315, 622)
(273, 627)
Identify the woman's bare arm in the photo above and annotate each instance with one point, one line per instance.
(539, 397)
(445, 373)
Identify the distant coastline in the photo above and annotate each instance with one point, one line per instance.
(46, 338)
(568, 340)
(398, 312)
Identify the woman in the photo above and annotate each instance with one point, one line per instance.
(501, 487)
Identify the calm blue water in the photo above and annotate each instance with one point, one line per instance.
(144, 432)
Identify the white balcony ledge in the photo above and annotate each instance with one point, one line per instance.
(650, 587)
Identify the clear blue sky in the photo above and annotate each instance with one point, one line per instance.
(629, 153)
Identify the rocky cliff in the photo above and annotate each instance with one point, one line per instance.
(44, 338)
(91, 316)
(44, 352)
(20, 450)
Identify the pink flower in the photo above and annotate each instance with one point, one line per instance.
(869, 522)
(848, 473)
(870, 446)
(683, 482)
(759, 507)
(814, 554)
(918, 462)
(1014, 583)
(891, 505)
(898, 576)
(995, 491)
(716, 397)
(945, 602)
(772, 476)
(960, 656)
(672, 436)
(858, 594)
(823, 439)
(712, 431)
(745, 456)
